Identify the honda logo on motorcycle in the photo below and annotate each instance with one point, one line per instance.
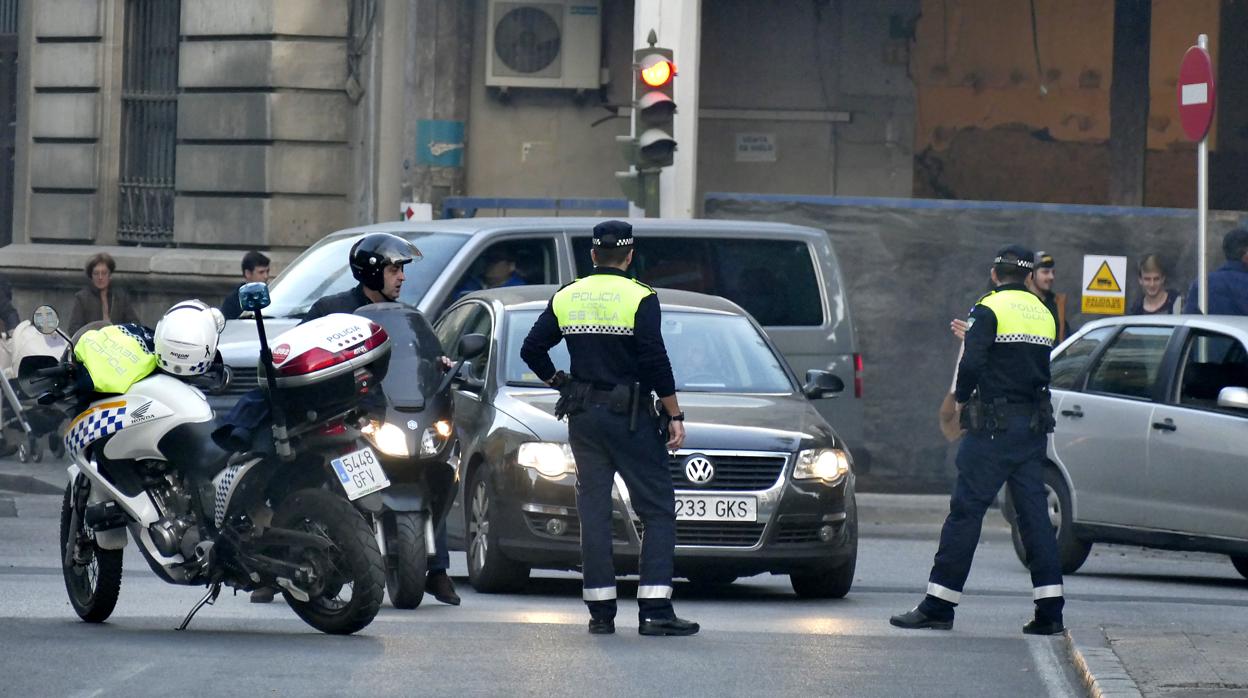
(699, 469)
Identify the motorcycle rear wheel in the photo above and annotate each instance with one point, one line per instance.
(93, 578)
(407, 561)
(351, 573)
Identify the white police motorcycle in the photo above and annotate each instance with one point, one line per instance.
(278, 514)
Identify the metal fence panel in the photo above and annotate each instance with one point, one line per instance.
(149, 122)
(8, 16)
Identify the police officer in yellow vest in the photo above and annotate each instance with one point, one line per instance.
(611, 324)
(1003, 395)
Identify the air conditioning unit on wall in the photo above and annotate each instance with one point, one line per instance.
(548, 44)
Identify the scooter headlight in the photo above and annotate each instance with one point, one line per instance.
(434, 438)
(387, 438)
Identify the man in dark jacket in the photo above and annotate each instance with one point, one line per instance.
(1228, 284)
(255, 268)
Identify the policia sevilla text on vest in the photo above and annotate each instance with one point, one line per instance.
(611, 325)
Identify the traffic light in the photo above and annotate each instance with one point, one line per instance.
(651, 146)
(653, 106)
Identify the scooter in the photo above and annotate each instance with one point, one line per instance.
(414, 435)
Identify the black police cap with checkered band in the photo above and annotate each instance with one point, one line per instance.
(609, 235)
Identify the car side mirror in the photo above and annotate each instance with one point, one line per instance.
(1234, 398)
(472, 345)
(821, 384)
(466, 377)
(45, 319)
(254, 296)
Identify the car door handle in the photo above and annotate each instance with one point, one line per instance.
(1167, 425)
(1073, 414)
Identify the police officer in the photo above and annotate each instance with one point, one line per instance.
(612, 326)
(377, 262)
(1002, 394)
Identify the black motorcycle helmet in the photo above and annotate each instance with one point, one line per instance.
(374, 252)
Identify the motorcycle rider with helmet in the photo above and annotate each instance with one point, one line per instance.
(377, 262)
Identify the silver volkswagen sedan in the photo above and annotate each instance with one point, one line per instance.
(1151, 443)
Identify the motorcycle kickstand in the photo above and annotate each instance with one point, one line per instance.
(209, 598)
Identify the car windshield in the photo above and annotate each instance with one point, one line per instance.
(323, 270)
(709, 354)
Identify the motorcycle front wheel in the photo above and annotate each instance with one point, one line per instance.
(92, 574)
(348, 580)
(408, 563)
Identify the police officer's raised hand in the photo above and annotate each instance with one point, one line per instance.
(675, 435)
(959, 328)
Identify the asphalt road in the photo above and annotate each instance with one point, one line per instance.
(757, 637)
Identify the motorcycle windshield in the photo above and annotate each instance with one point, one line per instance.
(415, 354)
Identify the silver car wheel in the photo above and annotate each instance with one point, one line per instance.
(1055, 508)
(479, 526)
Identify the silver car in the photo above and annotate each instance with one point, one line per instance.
(1151, 443)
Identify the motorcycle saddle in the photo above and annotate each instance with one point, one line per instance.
(190, 448)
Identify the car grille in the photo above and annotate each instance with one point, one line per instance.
(242, 380)
(715, 533)
(732, 472)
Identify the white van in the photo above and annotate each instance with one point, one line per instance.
(786, 276)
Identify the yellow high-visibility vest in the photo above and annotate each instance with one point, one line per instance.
(599, 304)
(114, 358)
(1021, 317)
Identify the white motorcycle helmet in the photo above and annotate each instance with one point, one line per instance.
(186, 338)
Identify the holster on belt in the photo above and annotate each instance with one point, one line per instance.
(572, 395)
(978, 415)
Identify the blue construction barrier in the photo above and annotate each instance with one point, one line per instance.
(467, 206)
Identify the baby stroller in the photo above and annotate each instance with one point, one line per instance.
(25, 426)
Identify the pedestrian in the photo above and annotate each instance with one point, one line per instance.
(255, 268)
(1228, 284)
(9, 318)
(1002, 394)
(611, 324)
(377, 262)
(1157, 299)
(1042, 285)
(102, 299)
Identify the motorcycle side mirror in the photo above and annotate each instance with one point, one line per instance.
(821, 384)
(472, 345)
(254, 296)
(45, 319)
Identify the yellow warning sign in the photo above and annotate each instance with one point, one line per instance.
(1104, 305)
(1103, 280)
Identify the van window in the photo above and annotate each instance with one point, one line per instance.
(774, 280)
(511, 263)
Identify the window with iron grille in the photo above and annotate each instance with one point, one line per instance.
(8, 115)
(149, 122)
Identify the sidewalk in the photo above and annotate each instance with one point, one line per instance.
(46, 477)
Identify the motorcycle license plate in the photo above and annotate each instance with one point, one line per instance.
(692, 507)
(360, 473)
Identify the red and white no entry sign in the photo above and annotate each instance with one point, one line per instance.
(1196, 93)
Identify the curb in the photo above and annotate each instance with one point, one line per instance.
(27, 484)
(1100, 670)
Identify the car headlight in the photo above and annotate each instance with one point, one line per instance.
(387, 438)
(550, 460)
(434, 438)
(827, 464)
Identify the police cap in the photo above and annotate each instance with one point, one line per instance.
(1044, 260)
(609, 235)
(1016, 255)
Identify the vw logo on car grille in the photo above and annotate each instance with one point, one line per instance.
(699, 469)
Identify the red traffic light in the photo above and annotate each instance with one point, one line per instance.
(656, 71)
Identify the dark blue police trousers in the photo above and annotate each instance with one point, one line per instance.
(985, 462)
(603, 446)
